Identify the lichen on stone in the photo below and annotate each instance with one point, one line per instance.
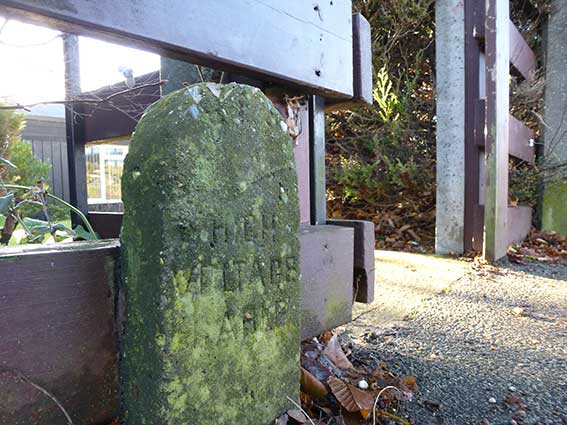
(212, 269)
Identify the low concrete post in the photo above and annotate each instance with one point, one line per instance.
(211, 217)
(554, 209)
(450, 48)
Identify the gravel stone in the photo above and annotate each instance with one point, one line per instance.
(463, 343)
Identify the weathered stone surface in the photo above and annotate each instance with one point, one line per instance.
(450, 87)
(554, 208)
(554, 215)
(212, 261)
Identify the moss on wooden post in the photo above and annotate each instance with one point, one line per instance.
(212, 275)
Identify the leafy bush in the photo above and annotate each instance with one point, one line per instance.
(29, 169)
(382, 158)
(28, 212)
(11, 124)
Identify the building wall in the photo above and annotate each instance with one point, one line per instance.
(48, 139)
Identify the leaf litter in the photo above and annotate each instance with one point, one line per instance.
(338, 390)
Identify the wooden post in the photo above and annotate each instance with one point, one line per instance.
(74, 127)
(497, 122)
(475, 122)
(317, 160)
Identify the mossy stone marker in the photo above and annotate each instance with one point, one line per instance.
(211, 258)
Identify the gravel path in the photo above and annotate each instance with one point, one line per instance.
(489, 349)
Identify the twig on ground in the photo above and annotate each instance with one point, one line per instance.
(24, 378)
(200, 72)
(390, 387)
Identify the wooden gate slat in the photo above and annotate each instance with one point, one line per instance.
(520, 223)
(522, 57)
(521, 141)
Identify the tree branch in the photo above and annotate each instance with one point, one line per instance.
(79, 99)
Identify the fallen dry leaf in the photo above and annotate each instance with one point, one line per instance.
(282, 420)
(350, 397)
(312, 386)
(297, 415)
(335, 353)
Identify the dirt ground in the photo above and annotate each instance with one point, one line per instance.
(486, 345)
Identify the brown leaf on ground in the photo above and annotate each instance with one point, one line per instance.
(297, 415)
(546, 247)
(312, 386)
(282, 420)
(350, 397)
(515, 402)
(335, 353)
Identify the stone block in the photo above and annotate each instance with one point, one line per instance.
(326, 275)
(212, 286)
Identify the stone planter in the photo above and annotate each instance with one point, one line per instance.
(57, 337)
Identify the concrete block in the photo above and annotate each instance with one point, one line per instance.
(326, 264)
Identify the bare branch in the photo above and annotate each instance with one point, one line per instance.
(93, 100)
(3, 25)
(39, 44)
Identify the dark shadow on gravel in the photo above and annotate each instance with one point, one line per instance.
(555, 271)
(458, 390)
(471, 349)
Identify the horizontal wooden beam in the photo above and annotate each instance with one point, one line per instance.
(520, 223)
(302, 44)
(521, 140)
(522, 57)
(519, 220)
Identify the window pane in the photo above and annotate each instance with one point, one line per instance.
(94, 189)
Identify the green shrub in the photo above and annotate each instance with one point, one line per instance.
(30, 169)
(382, 158)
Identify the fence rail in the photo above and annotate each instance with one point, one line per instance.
(494, 48)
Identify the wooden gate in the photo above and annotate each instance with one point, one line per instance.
(493, 47)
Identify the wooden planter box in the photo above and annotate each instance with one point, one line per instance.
(57, 336)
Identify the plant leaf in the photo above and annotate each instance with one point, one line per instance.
(62, 228)
(6, 202)
(81, 233)
(37, 227)
(26, 202)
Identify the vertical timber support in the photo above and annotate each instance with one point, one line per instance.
(497, 122)
(475, 105)
(450, 48)
(74, 127)
(317, 163)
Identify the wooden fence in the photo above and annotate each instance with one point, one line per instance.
(493, 47)
(49, 144)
